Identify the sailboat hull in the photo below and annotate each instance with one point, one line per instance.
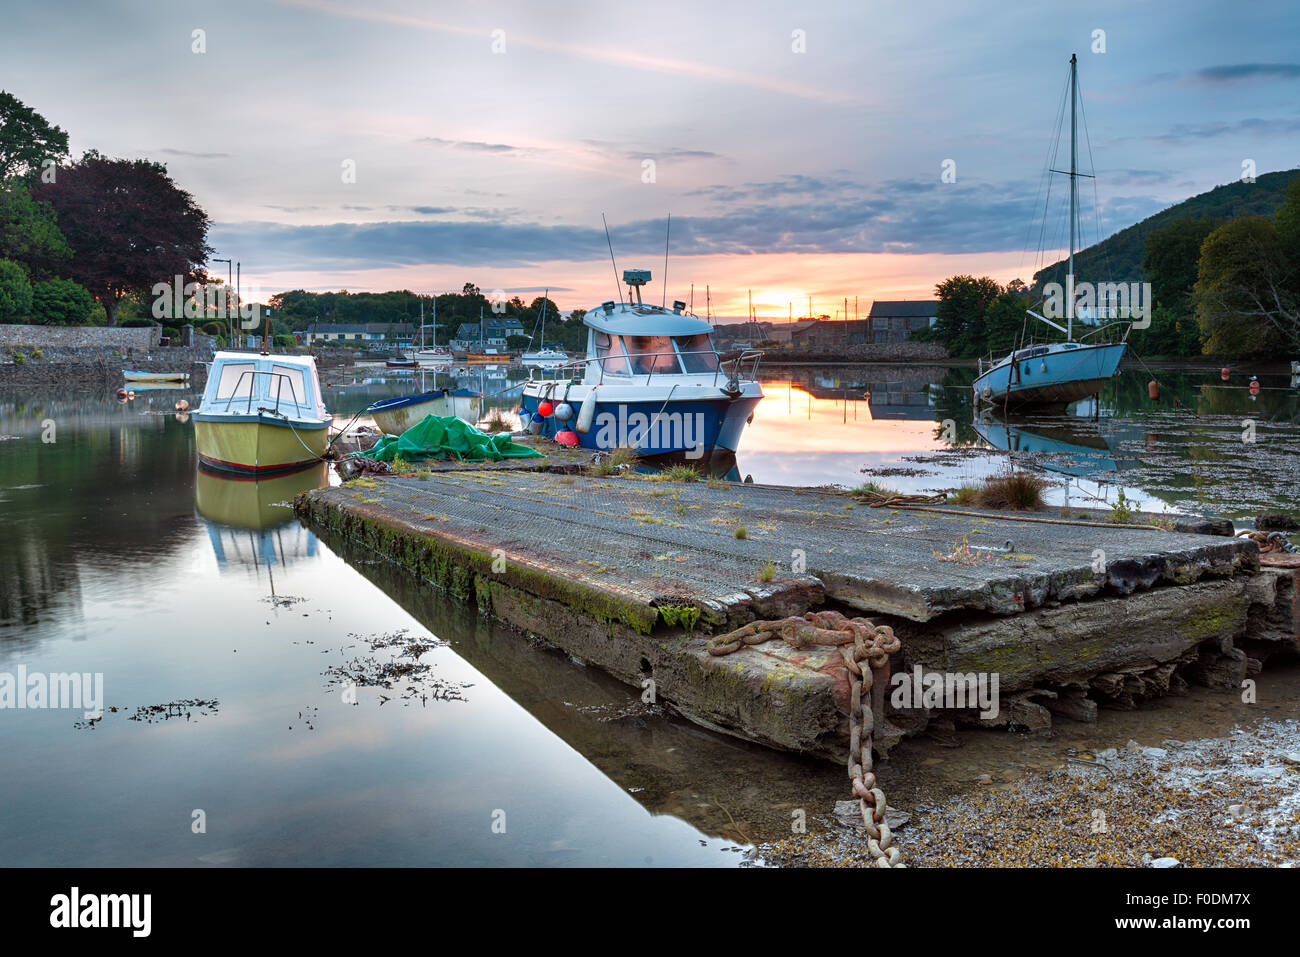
(1053, 376)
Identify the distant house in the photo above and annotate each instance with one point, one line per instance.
(397, 335)
(895, 320)
(828, 333)
(494, 333)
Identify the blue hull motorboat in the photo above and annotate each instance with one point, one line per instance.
(652, 382)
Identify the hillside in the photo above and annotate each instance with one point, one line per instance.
(1118, 258)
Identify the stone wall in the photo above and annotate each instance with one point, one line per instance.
(80, 337)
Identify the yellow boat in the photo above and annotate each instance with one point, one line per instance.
(261, 415)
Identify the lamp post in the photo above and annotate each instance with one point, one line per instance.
(229, 317)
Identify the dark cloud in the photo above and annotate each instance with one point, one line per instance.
(1254, 126)
(1235, 72)
(792, 215)
(192, 155)
(471, 145)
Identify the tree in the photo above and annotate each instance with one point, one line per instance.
(960, 322)
(29, 233)
(1245, 299)
(130, 227)
(27, 139)
(61, 302)
(15, 291)
(1169, 261)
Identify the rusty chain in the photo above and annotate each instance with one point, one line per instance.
(858, 640)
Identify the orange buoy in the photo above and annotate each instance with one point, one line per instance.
(1153, 389)
(1254, 387)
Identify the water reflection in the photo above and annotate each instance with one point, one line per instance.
(251, 523)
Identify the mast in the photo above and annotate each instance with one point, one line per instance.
(421, 323)
(1074, 196)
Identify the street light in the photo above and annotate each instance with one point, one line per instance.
(229, 317)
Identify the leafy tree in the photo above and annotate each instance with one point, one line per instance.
(1244, 301)
(26, 139)
(15, 291)
(61, 302)
(130, 227)
(960, 320)
(28, 231)
(1005, 319)
(1169, 261)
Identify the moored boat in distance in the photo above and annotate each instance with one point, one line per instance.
(261, 415)
(1055, 373)
(135, 375)
(652, 382)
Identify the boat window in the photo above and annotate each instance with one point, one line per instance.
(288, 385)
(697, 353)
(236, 380)
(610, 351)
(651, 354)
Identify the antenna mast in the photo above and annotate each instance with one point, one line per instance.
(618, 290)
(1074, 196)
(668, 232)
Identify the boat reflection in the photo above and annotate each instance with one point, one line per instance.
(1069, 445)
(251, 523)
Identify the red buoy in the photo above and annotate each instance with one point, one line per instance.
(1153, 389)
(544, 409)
(568, 437)
(1223, 373)
(1254, 387)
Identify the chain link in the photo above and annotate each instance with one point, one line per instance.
(858, 641)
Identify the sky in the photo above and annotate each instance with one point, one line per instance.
(800, 148)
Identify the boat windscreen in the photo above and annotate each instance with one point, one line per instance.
(236, 381)
(288, 385)
(652, 354)
(697, 353)
(609, 349)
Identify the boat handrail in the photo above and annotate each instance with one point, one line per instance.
(751, 356)
(298, 404)
(1126, 324)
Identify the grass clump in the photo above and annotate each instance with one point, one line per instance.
(618, 460)
(742, 532)
(677, 473)
(767, 572)
(1012, 490)
(496, 422)
(875, 490)
(965, 495)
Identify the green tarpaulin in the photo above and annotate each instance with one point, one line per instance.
(447, 437)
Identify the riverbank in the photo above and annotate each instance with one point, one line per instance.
(1229, 801)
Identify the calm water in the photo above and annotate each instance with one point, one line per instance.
(203, 593)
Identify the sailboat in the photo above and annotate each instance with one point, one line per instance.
(435, 354)
(544, 356)
(484, 354)
(1055, 373)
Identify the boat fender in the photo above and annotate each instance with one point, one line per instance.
(1153, 389)
(544, 409)
(564, 412)
(535, 424)
(586, 414)
(988, 392)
